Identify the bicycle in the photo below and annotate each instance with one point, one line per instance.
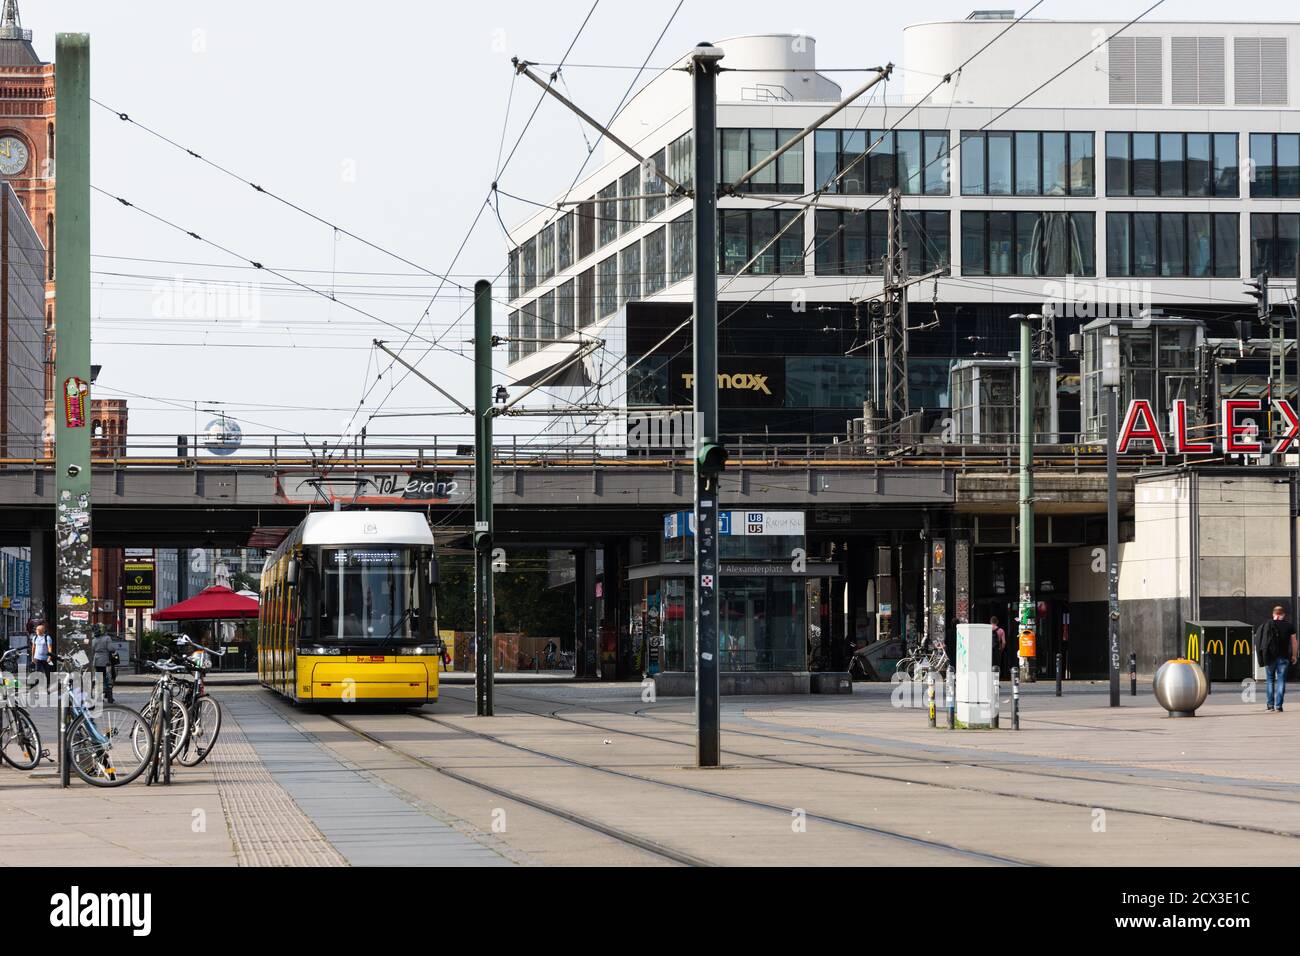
(96, 748)
(20, 741)
(204, 711)
(179, 731)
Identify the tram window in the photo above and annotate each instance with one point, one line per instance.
(368, 595)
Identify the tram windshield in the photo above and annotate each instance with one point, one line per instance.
(369, 594)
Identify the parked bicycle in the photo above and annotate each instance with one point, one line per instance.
(179, 720)
(20, 741)
(108, 748)
(204, 711)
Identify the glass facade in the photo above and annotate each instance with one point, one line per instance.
(654, 258)
(763, 609)
(682, 238)
(1027, 163)
(630, 262)
(1158, 362)
(1274, 242)
(741, 149)
(1172, 244)
(607, 277)
(748, 233)
(1172, 164)
(1275, 165)
(1028, 244)
(629, 206)
(607, 215)
(855, 242)
(916, 161)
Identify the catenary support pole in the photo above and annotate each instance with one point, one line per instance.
(484, 644)
(1026, 613)
(1112, 543)
(72, 532)
(704, 74)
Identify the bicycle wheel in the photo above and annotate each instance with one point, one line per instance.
(102, 749)
(180, 729)
(20, 742)
(204, 728)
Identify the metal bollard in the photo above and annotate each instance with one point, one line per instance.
(1058, 673)
(1133, 675)
(929, 695)
(65, 768)
(1015, 698)
(950, 695)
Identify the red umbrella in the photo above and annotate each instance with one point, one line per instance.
(216, 603)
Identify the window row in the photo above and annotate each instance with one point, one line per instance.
(739, 150)
(855, 242)
(771, 238)
(638, 270)
(1172, 244)
(993, 163)
(1275, 164)
(1027, 164)
(915, 161)
(1172, 164)
(1028, 244)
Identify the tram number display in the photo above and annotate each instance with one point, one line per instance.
(361, 559)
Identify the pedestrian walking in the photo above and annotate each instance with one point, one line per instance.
(1275, 648)
(101, 652)
(999, 646)
(41, 652)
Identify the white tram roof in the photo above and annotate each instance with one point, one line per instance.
(366, 527)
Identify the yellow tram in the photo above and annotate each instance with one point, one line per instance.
(349, 610)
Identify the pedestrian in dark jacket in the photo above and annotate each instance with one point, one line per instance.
(1275, 646)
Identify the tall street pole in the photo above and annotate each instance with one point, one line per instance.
(72, 480)
(1026, 486)
(1110, 377)
(709, 455)
(483, 608)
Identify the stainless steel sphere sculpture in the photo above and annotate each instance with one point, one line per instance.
(1181, 687)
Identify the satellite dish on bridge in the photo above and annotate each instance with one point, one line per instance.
(224, 436)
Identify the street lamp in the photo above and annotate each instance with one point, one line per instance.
(1110, 378)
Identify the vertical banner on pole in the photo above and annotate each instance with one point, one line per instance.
(72, 480)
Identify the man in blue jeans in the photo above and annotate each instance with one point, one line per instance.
(1277, 652)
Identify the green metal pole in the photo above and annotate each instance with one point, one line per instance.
(483, 638)
(1026, 486)
(72, 482)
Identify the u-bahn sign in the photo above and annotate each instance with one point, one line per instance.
(1237, 433)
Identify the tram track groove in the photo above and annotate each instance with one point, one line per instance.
(893, 835)
(555, 715)
(630, 839)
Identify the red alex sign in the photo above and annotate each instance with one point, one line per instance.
(1237, 435)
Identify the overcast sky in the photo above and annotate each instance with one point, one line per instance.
(384, 118)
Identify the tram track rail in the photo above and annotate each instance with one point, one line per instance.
(643, 843)
(618, 834)
(986, 791)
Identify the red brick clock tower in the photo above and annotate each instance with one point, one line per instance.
(27, 146)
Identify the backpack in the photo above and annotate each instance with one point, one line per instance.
(1267, 641)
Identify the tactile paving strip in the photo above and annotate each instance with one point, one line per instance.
(266, 825)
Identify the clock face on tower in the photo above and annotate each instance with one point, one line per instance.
(13, 155)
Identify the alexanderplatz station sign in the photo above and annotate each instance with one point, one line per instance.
(1237, 433)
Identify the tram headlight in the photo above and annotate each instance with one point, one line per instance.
(322, 651)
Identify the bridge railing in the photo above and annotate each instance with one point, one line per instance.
(755, 449)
